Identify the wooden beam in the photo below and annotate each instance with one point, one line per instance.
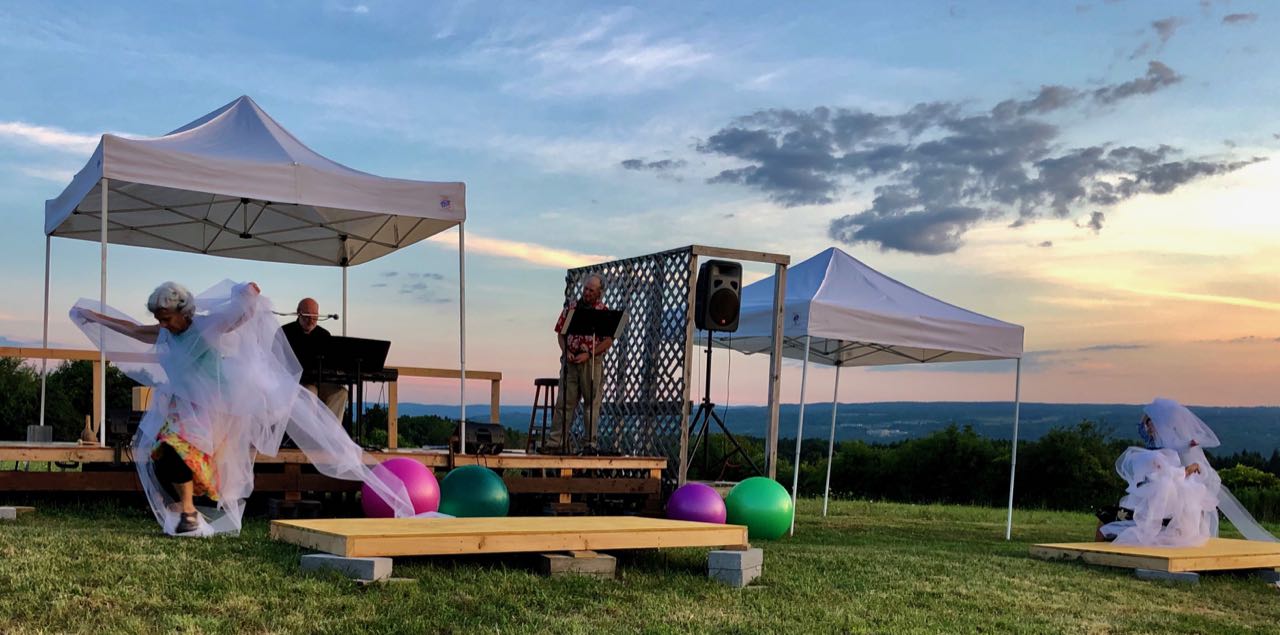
(495, 400)
(446, 373)
(566, 486)
(11, 451)
(393, 414)
(740, 254)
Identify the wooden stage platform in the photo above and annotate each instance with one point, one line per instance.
(1219, 554)
(369, 537)
(562, 478)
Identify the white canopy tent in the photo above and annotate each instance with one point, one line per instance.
(840, 312)
(235, 183)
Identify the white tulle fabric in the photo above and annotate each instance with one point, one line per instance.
(1180, 438)
(229, 386)
(1159, 489)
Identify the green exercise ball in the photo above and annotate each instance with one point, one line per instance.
(473, 491)
(762, 505)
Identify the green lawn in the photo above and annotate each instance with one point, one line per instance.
(869, 567)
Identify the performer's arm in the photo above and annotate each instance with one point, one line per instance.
(138, 332)
(237, 310)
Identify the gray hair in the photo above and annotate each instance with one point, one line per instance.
(172, 296)
(599, 278)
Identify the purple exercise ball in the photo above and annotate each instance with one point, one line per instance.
(419, 483)
(696, 502)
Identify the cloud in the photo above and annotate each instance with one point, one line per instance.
(596, 55)
(1244, 339)
(1112, 347)
(531, 253)
(1239, 18)
(939, 169)
(422, 287)
(47, 137)
(1046, 243)
(656, 166)
(1095, 221)
(1167, 27)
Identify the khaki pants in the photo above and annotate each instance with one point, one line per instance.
(333, 396)
(580, 383)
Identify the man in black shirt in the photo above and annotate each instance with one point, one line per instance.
(301, 333)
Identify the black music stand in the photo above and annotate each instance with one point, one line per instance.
(593, 323)
(350, 356)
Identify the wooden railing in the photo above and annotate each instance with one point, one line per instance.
(66, 354)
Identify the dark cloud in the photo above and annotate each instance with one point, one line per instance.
(1239, 18)
(1158, 76)
(657, 166)
(418, 286)
(1047, 243)
(1166, 27)
(938, 170)
(1112, 347)
(1095, 221)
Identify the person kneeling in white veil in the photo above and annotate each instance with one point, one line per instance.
(225, 388)
(1175, 432)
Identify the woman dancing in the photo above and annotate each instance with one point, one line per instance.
(225, 388)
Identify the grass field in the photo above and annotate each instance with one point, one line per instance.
(869, 567)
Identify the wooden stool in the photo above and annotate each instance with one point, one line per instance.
(543, 401)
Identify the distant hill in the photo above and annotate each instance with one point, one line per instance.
(1239, 428)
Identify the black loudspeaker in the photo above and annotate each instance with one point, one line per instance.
(719, 296)
(483, 438)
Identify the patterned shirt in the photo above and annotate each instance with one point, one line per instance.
(578, 343)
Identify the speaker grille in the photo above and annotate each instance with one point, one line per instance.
(723, 307)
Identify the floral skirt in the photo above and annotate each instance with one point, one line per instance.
(204, 473)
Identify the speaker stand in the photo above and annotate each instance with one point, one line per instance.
(705, 415)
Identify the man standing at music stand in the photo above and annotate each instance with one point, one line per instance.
(302, 333)
(581, 375)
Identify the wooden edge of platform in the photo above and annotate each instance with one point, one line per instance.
(1120, 560)
(1175, 562)
(310, 538)
(490, 542)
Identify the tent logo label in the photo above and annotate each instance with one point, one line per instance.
(445, 203)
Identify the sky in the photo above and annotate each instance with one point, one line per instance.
(1103, 172)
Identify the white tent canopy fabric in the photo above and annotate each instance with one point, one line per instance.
(857, 316)
(841, 312)
(235, 183)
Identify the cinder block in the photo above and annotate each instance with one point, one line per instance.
(1185, 577)
(358, 568)
(733, 559)
(596, 565)
(736, 578)
(8, 513)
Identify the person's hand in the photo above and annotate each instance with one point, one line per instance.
(1194, 443)
(253, 288)
(1194, 468)
(581, 358)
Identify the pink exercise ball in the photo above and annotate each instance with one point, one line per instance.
(419, 483)
(696, 502)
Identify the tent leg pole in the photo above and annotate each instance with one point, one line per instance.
(44, 340)
(102, 342)
(346, 317)
(831, 443)
(1013, 460)
(462, 337)
(795, 470)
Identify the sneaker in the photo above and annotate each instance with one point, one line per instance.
(187, 523)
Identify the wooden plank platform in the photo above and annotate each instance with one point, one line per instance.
(366, 537)
(1219, 554)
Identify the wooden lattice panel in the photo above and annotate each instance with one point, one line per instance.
(644, 372)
